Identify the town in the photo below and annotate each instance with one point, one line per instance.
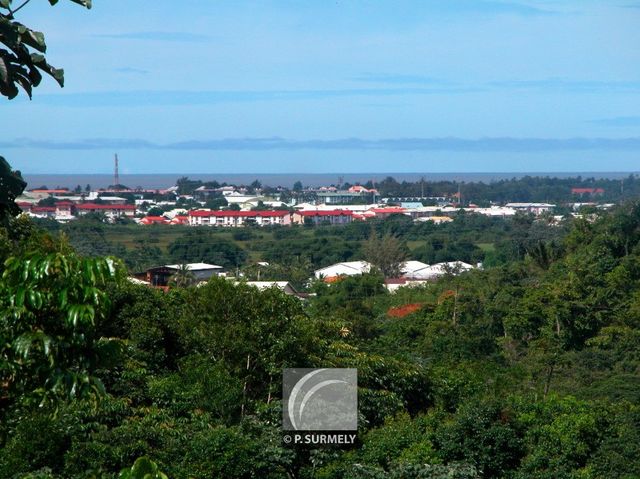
(238, 206)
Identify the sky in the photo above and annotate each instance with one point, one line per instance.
(320, 86)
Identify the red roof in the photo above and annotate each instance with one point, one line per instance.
(389, 211)
(94, 206)
(43, 209)
(237, 214)
(64, 203)
(63, 190)
(326, 213)
(591, 191)
(154, 219)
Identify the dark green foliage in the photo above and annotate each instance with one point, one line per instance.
(143, 468)
(528, 369)
(11, 182)
(485, 435)
(23, 62)
(49, 342)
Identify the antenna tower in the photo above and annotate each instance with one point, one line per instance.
(116, 176)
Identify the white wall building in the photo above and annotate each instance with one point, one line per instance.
(348, 268)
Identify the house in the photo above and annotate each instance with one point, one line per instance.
(244, 201)
(111, 211)
(383, 213)
(362, 189)
(429, 211)
(180, 220)
(161, 275)
(58, 191)
(315, 217)
(42, 212)
(494, 211)
(347, 268)
(587, 191)
(355, 194)
(230, 218)
(113, 200)
(435, 219)
(441, 269)
(393, 284)
(65, 211)
(535, 208)
(412, 268)
(154, 220)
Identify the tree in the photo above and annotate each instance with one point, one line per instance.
(11, 186)
(49, 343)
(187, 186)
(23, 63)
(386, 253)
(183, 277)
(155, 211)
(143, 468)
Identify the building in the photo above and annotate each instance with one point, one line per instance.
(42, 212)
(587, 191)
(180, 220)
(435, 219)
(65, 211)
(429, 211)
(347, 268)
(113, 200)
(228, 218)
(154, 220)
(412, 268)
(111, 211)
(393, 284)
(383, 213)
(535, 208)
(316, 217)
(355, 194)
(441, 269)
(161, 275)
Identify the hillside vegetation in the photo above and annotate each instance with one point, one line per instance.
(526, 369)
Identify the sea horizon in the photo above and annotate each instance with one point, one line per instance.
(165, 180)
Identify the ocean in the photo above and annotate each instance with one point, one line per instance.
(151, 181)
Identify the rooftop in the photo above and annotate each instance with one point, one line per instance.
(195, 266)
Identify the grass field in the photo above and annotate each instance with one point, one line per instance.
(486, 247)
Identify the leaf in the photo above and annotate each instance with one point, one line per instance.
(19, 296)
(7, 87)
(62, 297)
(24, 342)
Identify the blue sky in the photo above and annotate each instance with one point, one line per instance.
(333, 86)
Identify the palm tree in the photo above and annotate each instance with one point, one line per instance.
(183, 277)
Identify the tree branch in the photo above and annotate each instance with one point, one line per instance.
(16, 9)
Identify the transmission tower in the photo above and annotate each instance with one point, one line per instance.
(116, 176)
